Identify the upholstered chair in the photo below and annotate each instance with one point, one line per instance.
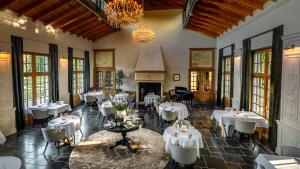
(290, 151)
(184, 156)
(53, 135)
(245, 127)
(40, 115)
(80, 115)
(106, 112)
(81, 97)
(168, 117)
(90, 100)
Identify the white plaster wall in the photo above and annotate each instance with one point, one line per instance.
(36, 39)
(173, 39)
(283, 12)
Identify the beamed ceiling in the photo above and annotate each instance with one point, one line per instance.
(210, 17)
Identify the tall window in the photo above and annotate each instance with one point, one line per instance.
(36, 78)
(78, 75)
(226, 77)
(261, 71)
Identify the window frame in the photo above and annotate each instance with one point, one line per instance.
(34, 74)
(266, 76)
(76, 73)
(224, 73)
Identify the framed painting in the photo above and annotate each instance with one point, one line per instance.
(176, 77)
(202, 57)
(104, 58)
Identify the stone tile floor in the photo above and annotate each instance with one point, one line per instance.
(218, 153)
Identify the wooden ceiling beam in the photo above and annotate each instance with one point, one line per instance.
(96, 31)
(30, 7)
(4, 4)
(102, 36)
(86, 28)
(235, 9)
(96, 34)
(219, 18)
(204, 31)
(223, 13)
(215, 18)
(63, 15)
(201, 20)
(76, 20)
(208, 27)
(225, 24)
(251, 4)
(70, 19)
(51, 9)
(82, 24)
(97, 28)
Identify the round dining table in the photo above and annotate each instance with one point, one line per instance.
(97, 95)
(179, 108)
(191, 138)
(69, 123)
(151, 99)
(122, 96)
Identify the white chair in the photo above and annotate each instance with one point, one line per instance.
(78, 114)
(184, 122)
(40, 115)
(245, 127)
(53, 135)
(168, 117)
(99, 103)
(290, 151)
(90, 100)
(184, 156)
(106, 111)
(111, 97)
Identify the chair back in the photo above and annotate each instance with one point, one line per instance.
(51, 135)
(131, 99)
(40, 114)
(80, 115)
(81, 96)
(246, 127)
(228, 108)
(99, 103)
(90, 99)
(111, 97)
(290, 151)
(184, 122)
(184, 156)
(168, 115)
(107, 110)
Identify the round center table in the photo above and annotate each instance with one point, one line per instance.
(179, 108)
(123, 130)
(10, 162)
(94, 152)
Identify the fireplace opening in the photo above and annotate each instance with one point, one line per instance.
(145, 88)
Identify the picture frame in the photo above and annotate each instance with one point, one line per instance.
(176, 77)
(202, 57)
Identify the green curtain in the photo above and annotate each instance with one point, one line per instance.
(86, 71)
(53, 54)
(275, 90)
(219, 87)
(232, 73)
(70, 74)
(246, 74)
(17, 75)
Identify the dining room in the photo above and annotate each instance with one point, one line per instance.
(169, 84)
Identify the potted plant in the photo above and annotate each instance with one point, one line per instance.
(120, 77)
(120, 107)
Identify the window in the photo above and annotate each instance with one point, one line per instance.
(261, 71)
(78, 75)
(36, 78)
(226, 79)
(194, 81)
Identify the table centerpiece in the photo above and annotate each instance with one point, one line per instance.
(120, 115)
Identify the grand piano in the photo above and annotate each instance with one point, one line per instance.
(181, 94)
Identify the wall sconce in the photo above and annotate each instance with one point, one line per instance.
(292, 51)
(237, 55)
(4, 55)
(63, 60)
(237, 59)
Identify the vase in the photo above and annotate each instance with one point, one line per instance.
(121, 117)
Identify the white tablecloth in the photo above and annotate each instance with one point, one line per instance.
(2, 138)
(69, 124)
(179, 108)
(98, 95)
(151, 99)
(226, 118)
(276, 162)
(122, 96)
(10, 162)
(182, 138)
(53, 109)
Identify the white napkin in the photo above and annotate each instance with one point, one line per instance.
(2, 138)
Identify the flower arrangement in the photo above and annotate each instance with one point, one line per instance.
(119, 105)
(120, 115)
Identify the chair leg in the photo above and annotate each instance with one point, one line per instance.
(100, 115)
(58, 147)
(233, 134)
(81, 132)
(103, 120)
(253, 139)
(46, 147)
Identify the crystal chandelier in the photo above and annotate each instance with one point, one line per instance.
(122, 13)
(142, 34)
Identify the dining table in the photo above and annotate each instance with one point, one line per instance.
(97, 95)
(52, 108)
(267, 161)
(226, 118)
(69, 123)
(121, 96)
(10, 162)
(179, 108)
(2, 138)
(191, 138)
